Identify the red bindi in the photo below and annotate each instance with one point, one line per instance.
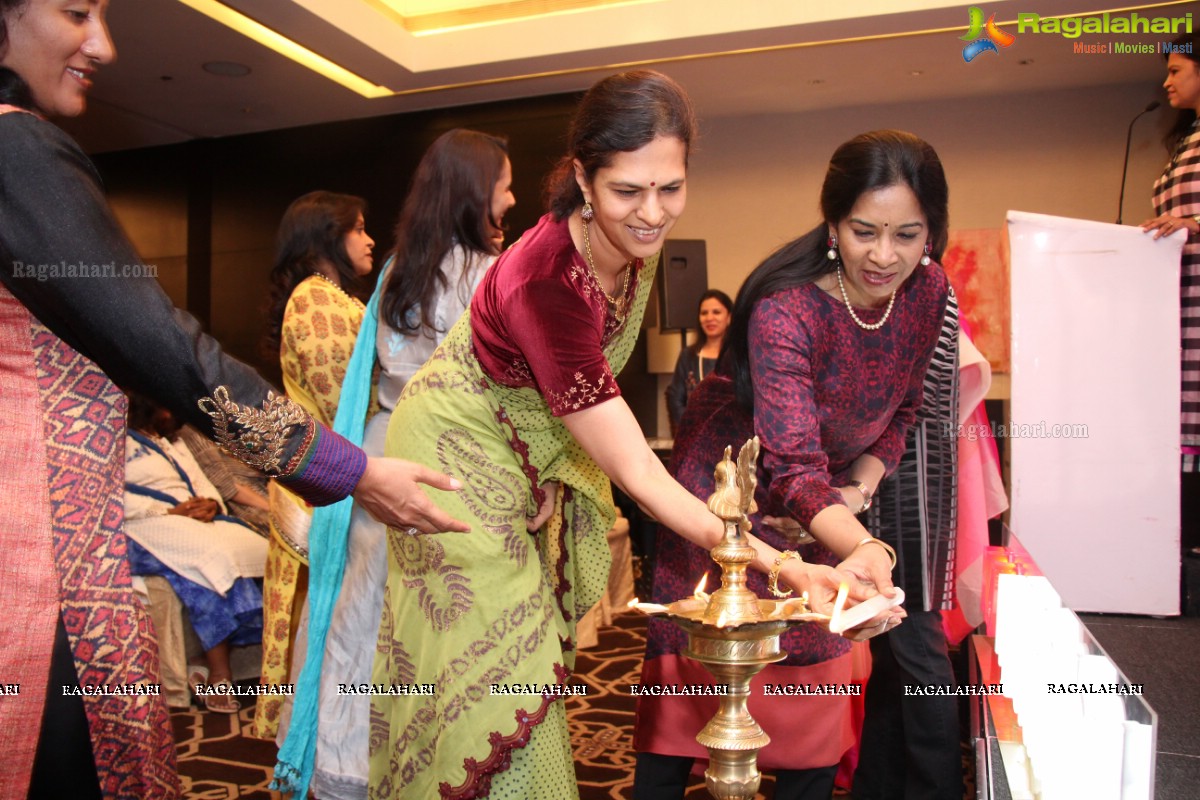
(652, 183)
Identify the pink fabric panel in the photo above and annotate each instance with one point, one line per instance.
(28, 582)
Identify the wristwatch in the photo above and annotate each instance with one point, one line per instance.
(866, 493)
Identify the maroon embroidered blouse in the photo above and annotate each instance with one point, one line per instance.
(827, 391)
(540, 319)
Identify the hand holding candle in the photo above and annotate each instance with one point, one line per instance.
(876, 610)
(820, 584)
(871, 563)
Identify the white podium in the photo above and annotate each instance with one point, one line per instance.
(1094, 434)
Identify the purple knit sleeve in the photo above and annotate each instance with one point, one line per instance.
(327, 470)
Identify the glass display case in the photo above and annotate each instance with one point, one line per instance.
(1065, 723)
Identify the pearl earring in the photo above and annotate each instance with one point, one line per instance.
(925, 258)
(832, 253)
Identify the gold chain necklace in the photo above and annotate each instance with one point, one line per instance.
(618, 305)
(873, 326)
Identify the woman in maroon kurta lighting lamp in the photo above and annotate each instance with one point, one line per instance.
(831, 339)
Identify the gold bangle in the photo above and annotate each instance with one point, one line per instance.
(891, 551)
(773, 575)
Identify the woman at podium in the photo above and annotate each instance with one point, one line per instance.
(1177, 204)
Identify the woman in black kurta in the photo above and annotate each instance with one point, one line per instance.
(78, 314)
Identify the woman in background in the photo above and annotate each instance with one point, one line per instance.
(178, 529)
(63, 342)
(831, 339)
(450, 230)
(1177, 204)
(323, 255)
(714, 315)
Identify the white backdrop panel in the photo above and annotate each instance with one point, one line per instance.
(1095, 410)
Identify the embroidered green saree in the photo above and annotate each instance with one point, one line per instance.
(488, 616)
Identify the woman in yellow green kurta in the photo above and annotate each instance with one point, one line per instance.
(322, 255)
(521, 405)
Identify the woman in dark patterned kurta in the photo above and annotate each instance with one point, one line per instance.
(1177, 204)
(831, 339)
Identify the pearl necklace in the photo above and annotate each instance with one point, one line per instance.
(358, 303)
(618, 305)
(873, 326)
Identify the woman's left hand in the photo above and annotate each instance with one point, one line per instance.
(535, 523)
(1165, 225)
(871, 567)
(870, 564)
(822, 584)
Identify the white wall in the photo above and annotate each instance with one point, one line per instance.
(754, 181)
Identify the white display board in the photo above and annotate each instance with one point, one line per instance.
(1094, 428)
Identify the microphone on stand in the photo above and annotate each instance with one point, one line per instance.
(1125, 169)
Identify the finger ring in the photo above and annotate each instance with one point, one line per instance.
(411, 530)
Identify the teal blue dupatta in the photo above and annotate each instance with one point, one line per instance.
(327, 542)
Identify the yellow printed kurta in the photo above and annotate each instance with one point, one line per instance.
(320, 325)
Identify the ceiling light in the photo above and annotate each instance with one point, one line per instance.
(425, 17)
(286, 47)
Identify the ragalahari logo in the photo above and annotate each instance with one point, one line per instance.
(992, 36)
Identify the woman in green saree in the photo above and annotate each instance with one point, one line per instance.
(520, 404)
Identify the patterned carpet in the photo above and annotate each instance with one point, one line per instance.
(218, 761)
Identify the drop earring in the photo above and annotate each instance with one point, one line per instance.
(832, 253)
(925, 258)
(586, 212)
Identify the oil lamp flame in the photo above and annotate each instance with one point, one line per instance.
(700, 594)
(648, 608)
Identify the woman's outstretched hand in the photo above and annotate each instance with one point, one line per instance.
(871, 565)
(822, 584)
(871, 569)
(390, 491)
